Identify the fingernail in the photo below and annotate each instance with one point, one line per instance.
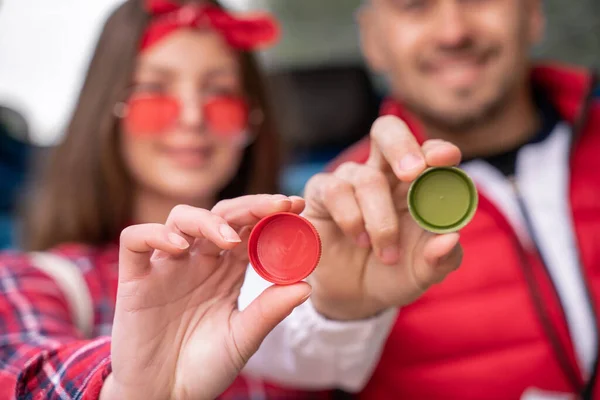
(410, 162)
(390, 254)
(229, 234)
(279, 198)
(363, 240)
(306, 297)
(178, 241)
(451, 254)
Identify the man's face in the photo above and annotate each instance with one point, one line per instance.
(455, 63)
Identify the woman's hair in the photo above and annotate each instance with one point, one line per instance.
(85, 194)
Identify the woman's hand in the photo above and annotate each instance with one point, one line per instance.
(178, 333)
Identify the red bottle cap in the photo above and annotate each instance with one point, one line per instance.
(284, 248)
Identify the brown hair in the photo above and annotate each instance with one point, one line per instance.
(85, 195)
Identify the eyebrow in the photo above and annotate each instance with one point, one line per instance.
(220, 71)
(213, 73)
(155, 69)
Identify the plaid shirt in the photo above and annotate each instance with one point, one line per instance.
(43, 355)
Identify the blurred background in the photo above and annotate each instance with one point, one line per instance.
(325, 97)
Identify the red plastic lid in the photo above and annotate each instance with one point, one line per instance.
(284, 248)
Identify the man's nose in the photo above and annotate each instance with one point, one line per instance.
(451, 24)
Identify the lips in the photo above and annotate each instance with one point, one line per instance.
(190, 156)
(458, 70)
(459, 74)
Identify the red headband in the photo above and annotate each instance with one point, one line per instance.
(243, 33)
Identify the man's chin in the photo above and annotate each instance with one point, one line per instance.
(459, 119)
(459, 111)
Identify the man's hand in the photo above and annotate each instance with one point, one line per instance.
(374, 255)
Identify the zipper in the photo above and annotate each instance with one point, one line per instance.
(572, 373)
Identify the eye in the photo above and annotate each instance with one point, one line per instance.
(221, 90)
(221, 82)
(412, 5)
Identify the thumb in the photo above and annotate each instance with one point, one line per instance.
(443, 254)
(251, 326)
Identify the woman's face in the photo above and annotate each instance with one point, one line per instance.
(169, 144)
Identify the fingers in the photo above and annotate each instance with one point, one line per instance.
(219, 224)
(359, 199)
(442, 254)
(393, 147)
(374, 197)
(439, 153)
(185, 224)
(137, 244)
(240, 252)
(298, 204)
(248, 210)
(251, 326)
(363, 199)
(197, 223)
(331, 196)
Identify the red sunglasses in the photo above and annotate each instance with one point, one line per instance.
(153, 114)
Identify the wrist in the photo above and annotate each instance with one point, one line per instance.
(346, 310)
(109, 390)
(112, 390)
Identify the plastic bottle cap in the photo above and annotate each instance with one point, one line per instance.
(443, 199)
(284, 248)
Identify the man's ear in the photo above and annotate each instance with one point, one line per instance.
(536, 20)
(369, 35)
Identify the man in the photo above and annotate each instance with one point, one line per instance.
(518, 318)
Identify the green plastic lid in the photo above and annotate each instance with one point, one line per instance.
(442, 199)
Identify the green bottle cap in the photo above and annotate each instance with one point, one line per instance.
(442, 199)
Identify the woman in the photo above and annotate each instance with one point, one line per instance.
(172, 112)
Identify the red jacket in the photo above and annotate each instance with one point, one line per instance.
(480, 334)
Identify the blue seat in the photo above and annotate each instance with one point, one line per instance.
(14, 163)
(322, 109)
(7, 232)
